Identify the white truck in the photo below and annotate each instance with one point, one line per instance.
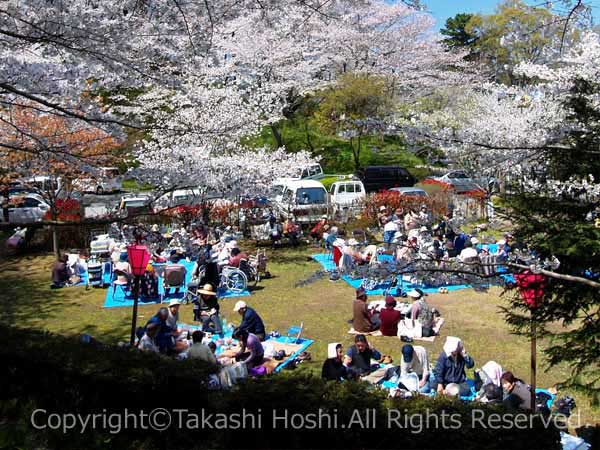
(304, 200)
(347, 195)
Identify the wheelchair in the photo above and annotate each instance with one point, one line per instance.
(233, 279)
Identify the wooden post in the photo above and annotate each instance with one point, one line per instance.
(533, 360)
(136, 294)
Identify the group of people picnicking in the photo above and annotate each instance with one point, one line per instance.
(367, 318)
(361, 361)
(164, 333)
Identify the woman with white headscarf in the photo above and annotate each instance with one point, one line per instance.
(491, 375)
(333, 367)
(451, 365)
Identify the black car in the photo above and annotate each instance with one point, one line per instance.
(377, 178)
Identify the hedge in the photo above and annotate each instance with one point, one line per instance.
(60, 375)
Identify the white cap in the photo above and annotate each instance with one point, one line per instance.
(352, 242)
(474, 241)
(174, 302)
(422, 229)
(414, 294)
(501, 242)
(239, 305)
(231, 244)
(382, 208)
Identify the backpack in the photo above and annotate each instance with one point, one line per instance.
(425, 314)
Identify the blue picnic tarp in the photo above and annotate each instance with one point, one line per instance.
(327, 262)
(123, 298)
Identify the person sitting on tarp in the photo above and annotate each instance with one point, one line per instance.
(414, 360)
(389, 317)
(208, 308)
(199, 350)
(164, 338)
(450, 367)
(60, 272)
(251, 321)
(459, 242)
(502, 251)
(407, 252)
(468, 253)
(251, 352)
(333, 367)
(363, 320)
(517, 394)
(148, 342)
(422, 312)
(361, 354)
(489, 374)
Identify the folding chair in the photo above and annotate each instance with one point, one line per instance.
(337, 255)
(124, 285)
(173, 278)
(294, 331)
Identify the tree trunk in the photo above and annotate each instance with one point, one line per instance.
(356, 152)
(55, 247)
(277, 135)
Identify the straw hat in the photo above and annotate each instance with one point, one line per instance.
(207, 290)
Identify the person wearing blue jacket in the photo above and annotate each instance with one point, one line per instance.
(450, 367)
(251, 321)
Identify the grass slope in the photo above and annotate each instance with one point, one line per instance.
(323, 306)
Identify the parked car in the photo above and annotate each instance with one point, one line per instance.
(377, 178)
(410, 191)
(101, 181)
(135, 205)
(305, 200)
(346, 194)
(461, 181)
(42, 183)
(24, 209)
(179, 197)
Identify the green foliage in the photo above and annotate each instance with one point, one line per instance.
(62, 376)
(517, 32)
(353, 109)
(314, 121)
(558, 226)
(456, 32)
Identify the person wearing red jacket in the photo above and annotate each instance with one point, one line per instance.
(389, 317)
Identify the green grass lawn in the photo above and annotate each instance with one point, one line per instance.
(323, 306)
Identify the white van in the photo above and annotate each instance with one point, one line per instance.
(179, 197)
(347, 193)
(25, 209)
(103, 180)
(305, 200)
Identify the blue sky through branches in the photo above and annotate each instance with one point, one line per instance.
(442, 9)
